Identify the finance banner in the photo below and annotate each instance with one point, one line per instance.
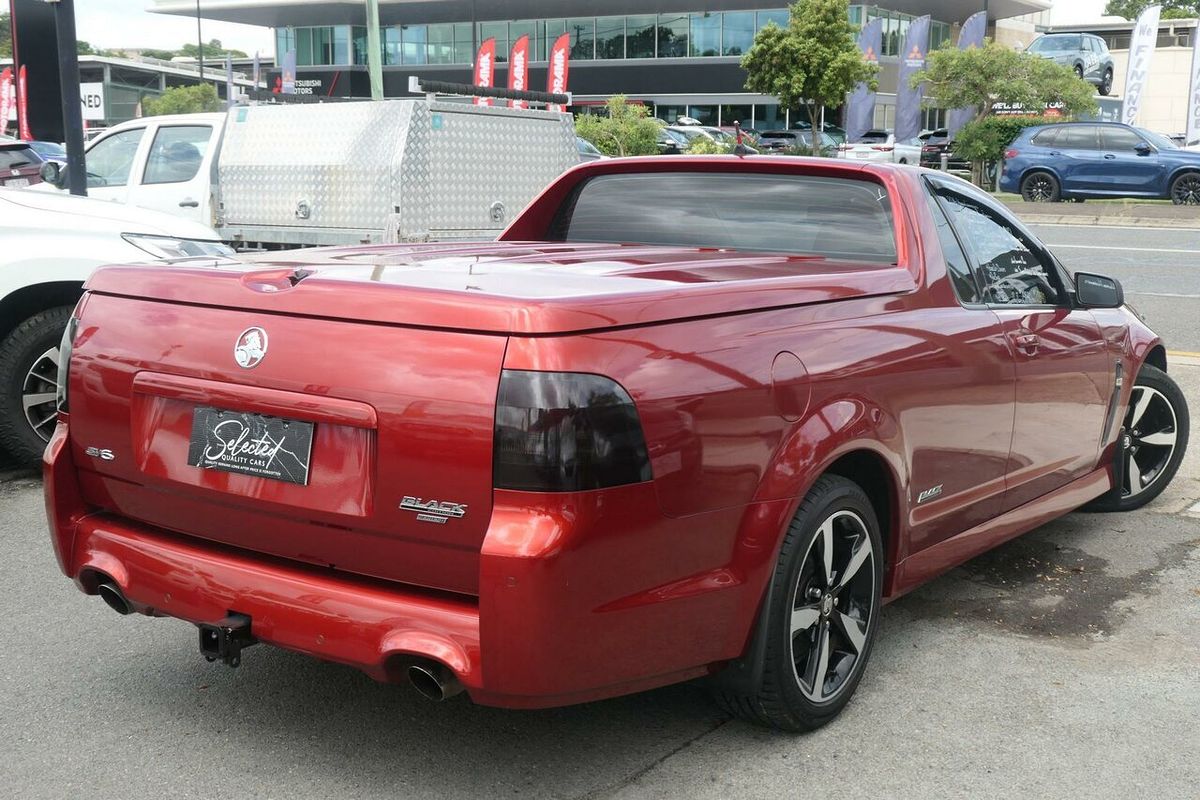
(1141, 51)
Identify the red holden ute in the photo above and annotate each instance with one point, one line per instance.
(648, 436)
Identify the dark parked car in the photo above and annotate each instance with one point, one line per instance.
(778, 141)
(936, 142)
(1086, 53)
(19, 165)
(671, 143)
(1049, 163)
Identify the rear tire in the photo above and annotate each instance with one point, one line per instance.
(1040, 187)
(28, 375)
(1106, 83)
(1079, 72)
(823, 612)
(1157, 423)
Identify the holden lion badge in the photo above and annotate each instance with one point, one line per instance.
(251, 348)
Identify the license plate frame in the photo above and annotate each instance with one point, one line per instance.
(248, 443)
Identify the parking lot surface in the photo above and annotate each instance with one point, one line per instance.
(1064, 663)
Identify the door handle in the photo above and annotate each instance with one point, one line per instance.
(189, 204)
(1027, 343)
(1109, 156)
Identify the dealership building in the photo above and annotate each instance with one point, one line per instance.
(679, 58)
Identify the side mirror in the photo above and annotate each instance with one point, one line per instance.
(54, 173)
(1098, 291)
(1143, 149)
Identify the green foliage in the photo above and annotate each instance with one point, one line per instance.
(986, 139)
(815, 61)
(212, 49)
(162, 55)
(982, 76)
(83, 48)
(1171, 9)
(183, 100)
(5, 36)
(626, 130)
(704, 146)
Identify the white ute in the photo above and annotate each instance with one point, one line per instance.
(51, 244)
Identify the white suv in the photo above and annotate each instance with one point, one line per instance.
(52, 242)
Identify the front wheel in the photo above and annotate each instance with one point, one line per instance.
(1156, 431)
(823, 612)
(1040, 187)
(28, 381)
(1185, 189)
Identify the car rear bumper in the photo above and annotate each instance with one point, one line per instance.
(554, 623)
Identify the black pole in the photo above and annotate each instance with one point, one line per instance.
(199, 42)
(68, 82)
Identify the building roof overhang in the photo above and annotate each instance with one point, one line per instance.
(284, 13)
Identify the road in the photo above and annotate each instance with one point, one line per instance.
(1159, 268)
(1064, 663)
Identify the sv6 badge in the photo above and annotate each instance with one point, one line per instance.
(433, 510)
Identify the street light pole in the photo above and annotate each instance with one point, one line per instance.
(199, 42)
(68, 82)
(374, 50)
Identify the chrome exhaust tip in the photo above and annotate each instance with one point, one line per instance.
(110, 593)
(434, 681)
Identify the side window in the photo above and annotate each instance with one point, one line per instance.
(1008, 268)
(1078, 137)
(1121, 139)
(176, 154)
(1048, 137)
(110, 159)
(956, 260)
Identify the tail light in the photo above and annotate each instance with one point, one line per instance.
(1011, 153)
(930, 148)
(64, 364)
(566, 432)
(883, 148)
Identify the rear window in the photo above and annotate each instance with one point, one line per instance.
(14, 157)
(800, 214)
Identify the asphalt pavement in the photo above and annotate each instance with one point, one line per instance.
(1063, 664)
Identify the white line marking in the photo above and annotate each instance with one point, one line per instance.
(1190, 251)
(1163, 294)
(1111, 227)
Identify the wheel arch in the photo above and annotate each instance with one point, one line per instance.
(23, 303)
(1156, 356)
(1182, 169)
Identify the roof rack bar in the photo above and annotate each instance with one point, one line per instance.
(418, 86)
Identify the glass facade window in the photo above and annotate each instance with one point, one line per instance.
(304, 47)
(285, 40)
(707, 115)
(673, 35)
(464, 43)
(341, 45)
(583, 38)
(322, 46)
(740, 114)
(640, 36)
(856, 16)
(705, 37)
(497, 31)
(738, 36)
(610, 37)
(358, 43)
(779, 16)
(390, 37)
(413, 44)
(939, 35)
(524, 27)
(551, 29)
(440, 44)
(769, 117)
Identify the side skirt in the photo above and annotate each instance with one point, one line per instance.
(944, 556)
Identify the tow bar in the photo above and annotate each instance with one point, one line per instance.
(225, 640)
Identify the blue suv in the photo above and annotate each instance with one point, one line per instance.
(1076, 160)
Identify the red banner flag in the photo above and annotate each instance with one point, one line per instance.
(23, 107)
(6, 89)
(518, 70)
(485, 69)
(556, 75)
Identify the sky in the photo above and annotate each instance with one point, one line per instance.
(127, 23)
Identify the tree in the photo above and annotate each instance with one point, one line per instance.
(1171, 9)
(183, 100)
(83, 48)
(626, 130)
(985, 77)
(815, 61)
(5, 36)
(212, 49)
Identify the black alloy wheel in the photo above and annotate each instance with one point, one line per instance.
(822, 612)
(1040, 187)
(1185, 189)
(1106, 82)
(1156, 428)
